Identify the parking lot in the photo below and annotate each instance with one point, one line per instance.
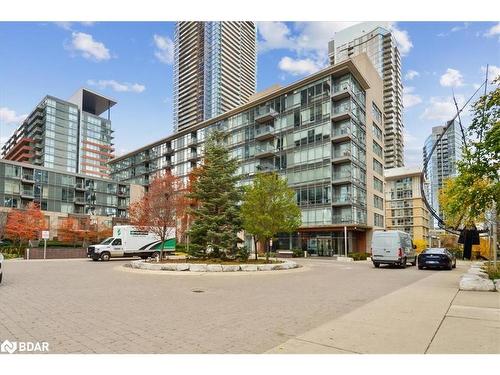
(80, 306)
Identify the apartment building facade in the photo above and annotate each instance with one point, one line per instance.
(319, 133)
(405, 209)
(376, 40)
(61, 194)
(215, 67)
(67, 135)
(442, 163)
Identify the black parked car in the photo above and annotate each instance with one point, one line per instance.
(436, 257)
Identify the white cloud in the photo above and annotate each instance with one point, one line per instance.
(88, 47)
(164, 49)
(117, 86)
(402, 39)
(9, 116)
(298, 66)
(443, 109)
(309, 41)
(493, 72)
(493, 31)
(69, 25)
(410, 99)
(274, 35)
(452, 78)
(410, 74)
(303, 37)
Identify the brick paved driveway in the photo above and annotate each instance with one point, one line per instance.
(80, 306)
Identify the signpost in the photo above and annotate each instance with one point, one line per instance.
(45, 237)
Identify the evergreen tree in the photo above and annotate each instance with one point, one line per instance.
(216, 217)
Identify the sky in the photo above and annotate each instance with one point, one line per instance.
(132, 62)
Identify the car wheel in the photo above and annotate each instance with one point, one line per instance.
(414, 263)
(377, 265)
(105, 256)
(1, 276)
(455, 264)
(420, 267)
(95, 259)
(450, 267)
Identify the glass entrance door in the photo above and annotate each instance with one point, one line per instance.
(325, 247)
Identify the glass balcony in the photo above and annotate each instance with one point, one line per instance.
(265, 150)
(266, 115)
(27, 193)
(342, 219)
(79, 201)
(28, 177)
(341, 133)
(264, 132)
(341, 177)
(265, 167)
(341, 155)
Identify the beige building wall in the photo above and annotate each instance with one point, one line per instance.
(373, 95)
(398, 208)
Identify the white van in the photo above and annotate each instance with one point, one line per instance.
(393, 247)
(128, 241)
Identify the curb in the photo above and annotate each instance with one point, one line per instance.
(211, 268)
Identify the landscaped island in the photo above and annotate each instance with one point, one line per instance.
(213, 265)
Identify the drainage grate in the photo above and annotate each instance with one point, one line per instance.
(198, 291)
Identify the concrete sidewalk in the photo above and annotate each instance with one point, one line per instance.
(428, 316)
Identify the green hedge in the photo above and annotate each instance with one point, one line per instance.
(12, 252)
(298, 253)
(358, 256)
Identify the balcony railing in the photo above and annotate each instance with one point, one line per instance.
(264, 132)
(262, 151)
(265, 167)
(266, 115)
(25, 193)
(28, 177)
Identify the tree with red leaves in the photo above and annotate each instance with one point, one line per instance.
(24, 225)
(159, 208)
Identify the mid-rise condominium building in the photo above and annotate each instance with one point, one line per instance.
(442, 163)
(214, 69)
(320, 133)
(376, 40)
(61, 194)
(404, 206)
(67, 135)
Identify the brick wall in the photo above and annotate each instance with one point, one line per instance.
(58, 253)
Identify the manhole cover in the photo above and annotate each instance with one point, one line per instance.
(198, 291)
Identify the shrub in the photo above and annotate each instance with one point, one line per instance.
(298, 253)
(12, 252)
(492, 271)
(242, 253)
(181, 247)
(458, 252)
(358, 256)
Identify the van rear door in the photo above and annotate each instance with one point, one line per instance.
(385, 246)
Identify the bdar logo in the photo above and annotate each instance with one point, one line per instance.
(8, 347)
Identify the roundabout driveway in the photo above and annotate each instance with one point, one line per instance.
(80, 306)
